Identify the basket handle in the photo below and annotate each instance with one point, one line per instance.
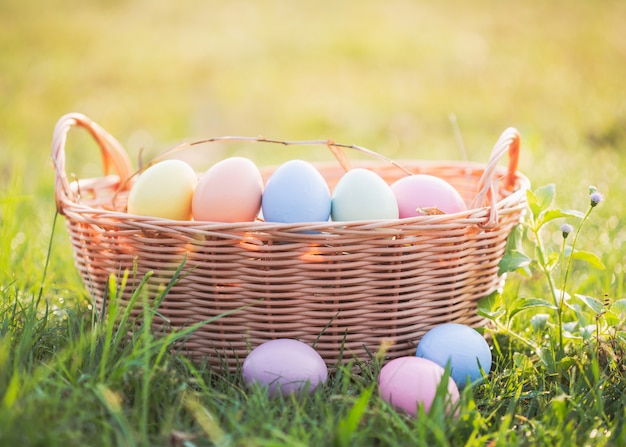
(509, 142)
(113, 154)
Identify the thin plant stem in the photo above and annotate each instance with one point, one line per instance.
(562, 295)
(569, 261)
(47, 263)
(555, 296)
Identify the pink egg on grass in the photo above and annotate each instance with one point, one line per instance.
(407, 383)
(422, 191)
(285, 366)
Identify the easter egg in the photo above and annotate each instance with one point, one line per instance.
(285, 366)
(229, 191)
(462, 346)
(421, 191)
(409, 382)
(165, 190)
(362, 194)
(296, 192)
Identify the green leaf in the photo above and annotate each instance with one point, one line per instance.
(533, 202)
(539, 321)
(619, 307)
(513, 261)
(562, 294)
(611, 318)
(490, 306)
(574, 306)
(570, 327)
(551, 214)
(548, 359)
(514, 258)
(553, 260)
(567, 362)
(350, 423)
(546, 194)
(548, 259)
(530, 303)
(541, 198)
(594, 304)
(515, 238)
(491, 314)
(587, 331)
(590, 258)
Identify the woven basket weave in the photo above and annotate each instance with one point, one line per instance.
(345, 288)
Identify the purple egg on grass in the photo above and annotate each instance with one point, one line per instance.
(285, 366)
(464, 347)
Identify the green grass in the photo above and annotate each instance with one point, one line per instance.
(384, 75)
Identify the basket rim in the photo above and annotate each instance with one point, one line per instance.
(472, 216)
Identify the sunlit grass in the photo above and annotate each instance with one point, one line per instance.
(396, 77)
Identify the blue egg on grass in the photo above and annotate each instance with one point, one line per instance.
(462, 346)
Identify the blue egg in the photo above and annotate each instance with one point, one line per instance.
(296, 192)
(462, 346)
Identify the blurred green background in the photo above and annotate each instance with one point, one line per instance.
(389, 76)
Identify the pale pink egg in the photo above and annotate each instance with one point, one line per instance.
(285, 366)
(408, 382)
(422, 191)
(230, 191)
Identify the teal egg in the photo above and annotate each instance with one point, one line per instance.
(362, 194)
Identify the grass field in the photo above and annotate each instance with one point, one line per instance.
(399, 77)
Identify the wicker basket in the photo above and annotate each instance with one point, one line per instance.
(345, 288)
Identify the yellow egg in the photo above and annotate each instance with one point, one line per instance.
(230, 191)
(164, 190)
